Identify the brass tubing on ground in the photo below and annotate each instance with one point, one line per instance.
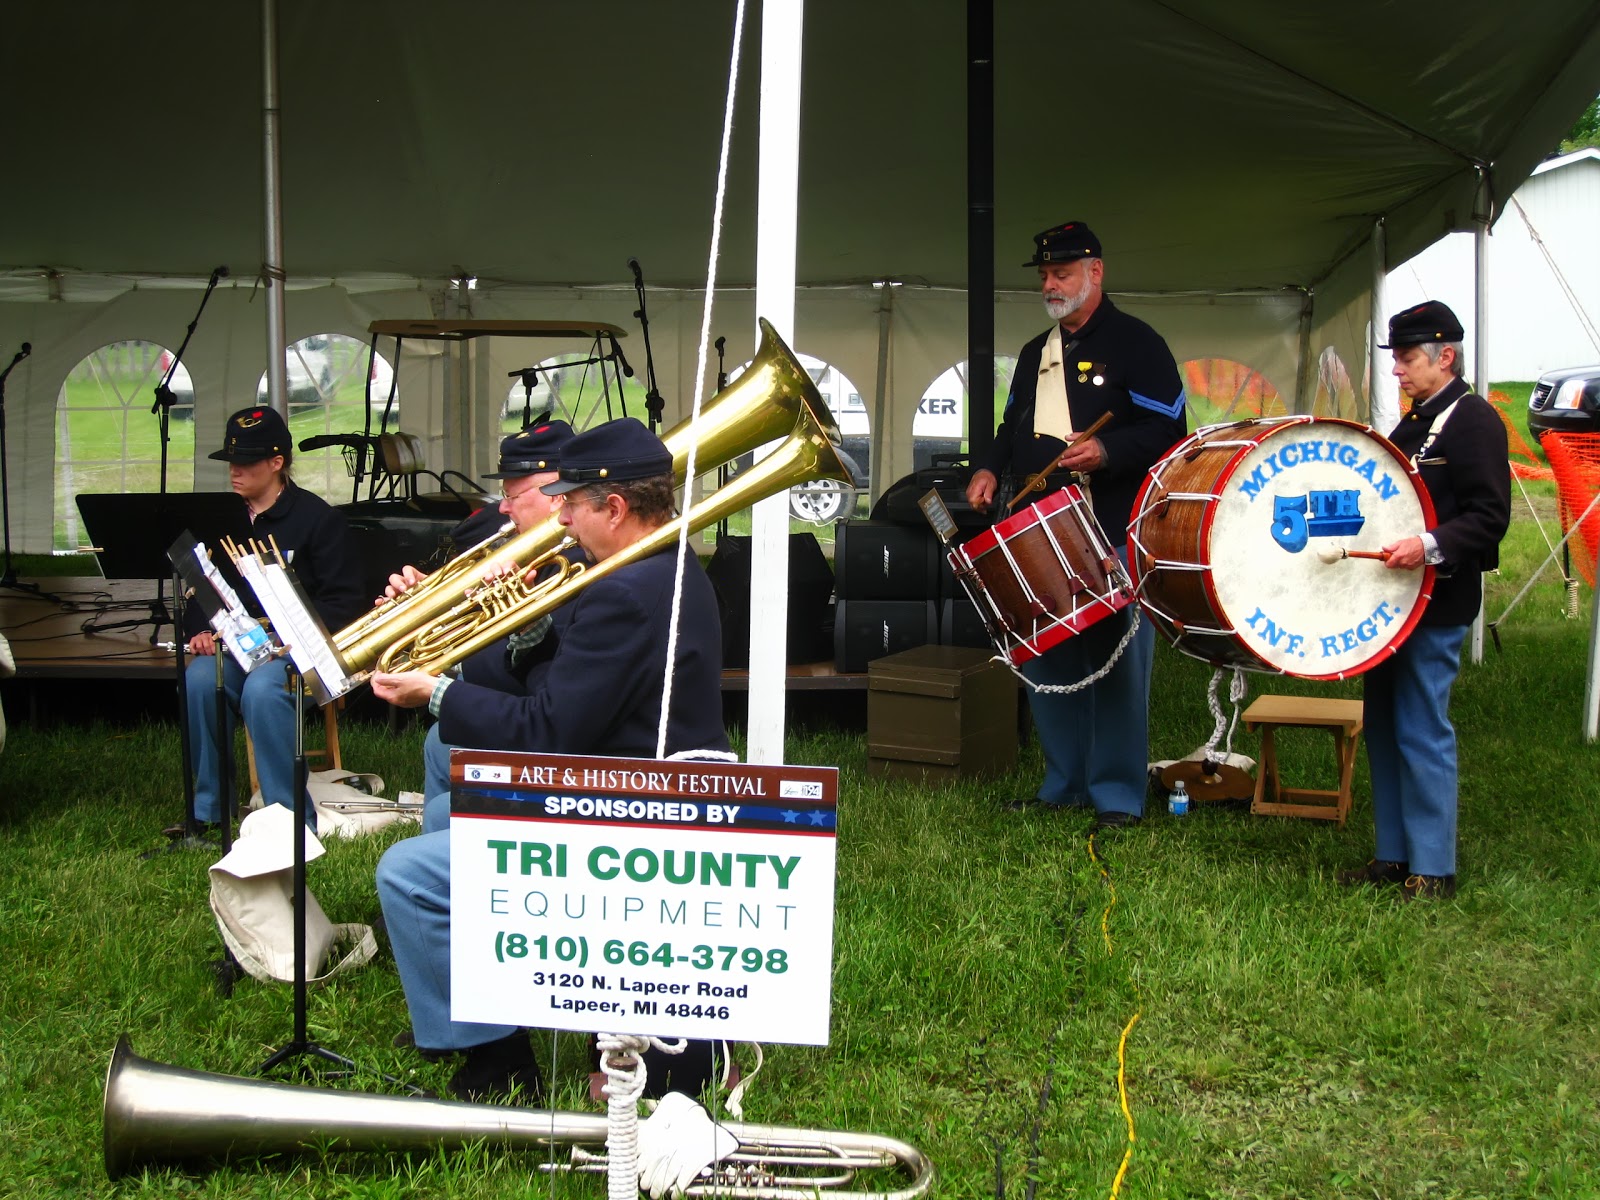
(772, 395)
(156, 1114)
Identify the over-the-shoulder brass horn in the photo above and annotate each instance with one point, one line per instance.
(156, 1114)
(771, 398)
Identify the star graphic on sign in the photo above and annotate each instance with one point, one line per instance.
(819, 818)
(790, 816)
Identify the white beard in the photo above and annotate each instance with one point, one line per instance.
(1061, 305)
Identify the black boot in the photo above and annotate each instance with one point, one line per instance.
(498, 1071)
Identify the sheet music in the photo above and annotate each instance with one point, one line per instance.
(297, 629)
(241, 633)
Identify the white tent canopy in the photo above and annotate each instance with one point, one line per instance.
(1234, 156)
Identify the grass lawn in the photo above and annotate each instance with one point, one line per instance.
(1294, 1039)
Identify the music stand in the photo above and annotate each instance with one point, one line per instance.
(132, 532)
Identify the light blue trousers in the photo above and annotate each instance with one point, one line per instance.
(269, 714)
(1411, 749)
(1096, 742)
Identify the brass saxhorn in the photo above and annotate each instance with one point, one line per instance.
(807, 454)
(767, 401)
(156, 1114)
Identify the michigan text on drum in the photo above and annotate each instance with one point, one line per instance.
(1315, 451)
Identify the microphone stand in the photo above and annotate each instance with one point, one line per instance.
(162, 408)
(530, 379)
(653, 404)
(9, 579)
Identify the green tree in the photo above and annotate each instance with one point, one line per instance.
(1585, 130)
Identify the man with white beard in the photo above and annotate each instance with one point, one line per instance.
(1095, 360)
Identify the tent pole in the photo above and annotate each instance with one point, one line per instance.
(1302, 377)
(1380, 414)
(980, 227)
(1480, 333)
(878, 456)
(272, 272)
(777, 190)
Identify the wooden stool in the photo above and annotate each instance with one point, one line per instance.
(326, 759)
(1342, 718)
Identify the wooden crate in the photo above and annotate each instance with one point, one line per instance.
(940, 712)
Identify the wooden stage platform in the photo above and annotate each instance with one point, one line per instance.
(68, 631)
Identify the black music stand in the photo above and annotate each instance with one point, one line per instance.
(300, 1042)
(133, 532)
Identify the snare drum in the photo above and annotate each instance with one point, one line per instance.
(1232, 536)
(1042, 575)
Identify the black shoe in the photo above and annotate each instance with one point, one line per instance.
(1428, 887)
(1375, 873)
(202, 829)
(1112, 819)
(408, 1041)
(1024, 804)
(500, 1071)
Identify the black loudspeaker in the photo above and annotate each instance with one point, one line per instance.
(960, 624)
(867, 629)
(810, 588)
(879, 560)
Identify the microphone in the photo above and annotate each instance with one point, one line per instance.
(720, 343)
(621, 359)
(638, 276)
(27, 349)
(218, 273)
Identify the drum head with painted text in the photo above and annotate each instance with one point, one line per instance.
(1289, 503)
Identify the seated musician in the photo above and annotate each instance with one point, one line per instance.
(316, 540)
(529, 459)
(600, 694)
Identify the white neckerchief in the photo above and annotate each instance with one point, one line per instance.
(1050, 412)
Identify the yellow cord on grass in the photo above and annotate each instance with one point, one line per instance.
(1122, 1043)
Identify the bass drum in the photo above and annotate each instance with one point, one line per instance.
(1237, 537)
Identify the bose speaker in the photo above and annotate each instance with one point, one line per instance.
(879, 560)
(867, 629)
(810, 589)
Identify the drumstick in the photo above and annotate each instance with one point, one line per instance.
(1335, 553)
(1036, 482)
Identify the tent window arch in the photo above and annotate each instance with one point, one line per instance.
(328, 391)
(940, 426)
(1223, 389)
(107, 440)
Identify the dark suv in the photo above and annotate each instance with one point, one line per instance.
(1566, 401)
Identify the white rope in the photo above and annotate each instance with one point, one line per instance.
(700, 376)
(622, 1061)
(1236, 694)
(1066, 689)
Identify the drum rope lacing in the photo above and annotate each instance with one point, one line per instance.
(1066, 689)
(1237, 691)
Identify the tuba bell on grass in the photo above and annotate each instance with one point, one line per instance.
(156, 1114)
(773, 398)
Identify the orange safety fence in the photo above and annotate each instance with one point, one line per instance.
(1575, 461)
(1525, 462)
(1236, 390)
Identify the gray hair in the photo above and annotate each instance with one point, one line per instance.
(1457, 364)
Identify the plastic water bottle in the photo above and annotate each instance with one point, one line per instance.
(1178, 801)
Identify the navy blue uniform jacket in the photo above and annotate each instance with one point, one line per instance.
(1139, 386)
(322, 554)
(1469, 480)
(601, 693)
